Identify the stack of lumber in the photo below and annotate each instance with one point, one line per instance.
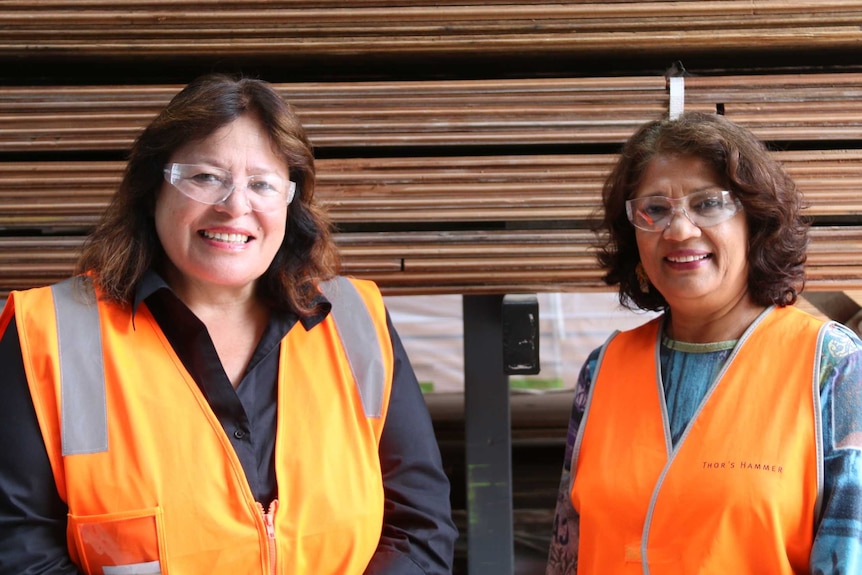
(492, 222)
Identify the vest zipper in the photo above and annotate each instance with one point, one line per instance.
(269, 525)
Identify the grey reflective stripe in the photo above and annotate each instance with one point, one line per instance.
(818, 416)
(83, 405)
(357, 332)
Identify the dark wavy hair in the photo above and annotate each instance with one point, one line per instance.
(125, 244)
(778, 232)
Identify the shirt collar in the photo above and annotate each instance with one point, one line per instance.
(152, 282)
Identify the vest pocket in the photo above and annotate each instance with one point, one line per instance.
(127, 543)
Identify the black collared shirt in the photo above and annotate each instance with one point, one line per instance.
(418, 533)
(247, 413)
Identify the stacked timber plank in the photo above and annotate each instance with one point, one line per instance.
(356, 115)
(305, 28)
(376, 192)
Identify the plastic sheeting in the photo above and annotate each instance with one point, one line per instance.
(571, 325)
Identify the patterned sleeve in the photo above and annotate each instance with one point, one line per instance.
(563, 553)
(837, 546)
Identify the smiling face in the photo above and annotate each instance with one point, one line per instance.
(699, 271)
(226, 246)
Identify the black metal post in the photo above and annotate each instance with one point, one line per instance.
(490, 544)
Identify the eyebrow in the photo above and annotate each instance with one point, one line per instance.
(707, 188)
(257, 171)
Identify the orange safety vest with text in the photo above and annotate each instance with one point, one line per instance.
(738, 494)
(152, 482)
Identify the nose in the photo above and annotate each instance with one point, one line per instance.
(680, 226)
(236, 202)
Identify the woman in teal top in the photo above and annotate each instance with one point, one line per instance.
(702, 224)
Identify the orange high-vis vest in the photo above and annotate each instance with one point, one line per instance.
(152, 482)
(740, 492)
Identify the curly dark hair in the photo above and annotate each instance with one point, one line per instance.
(125, 244)
(771, 202)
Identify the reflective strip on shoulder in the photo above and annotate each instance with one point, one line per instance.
(84, 410)
(354, 324)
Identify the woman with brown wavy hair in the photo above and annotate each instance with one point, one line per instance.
(207, 396)
(723, 435)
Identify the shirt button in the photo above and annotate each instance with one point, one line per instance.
(239, 433)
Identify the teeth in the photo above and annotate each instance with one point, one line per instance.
(686, 259)
(230, 238)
